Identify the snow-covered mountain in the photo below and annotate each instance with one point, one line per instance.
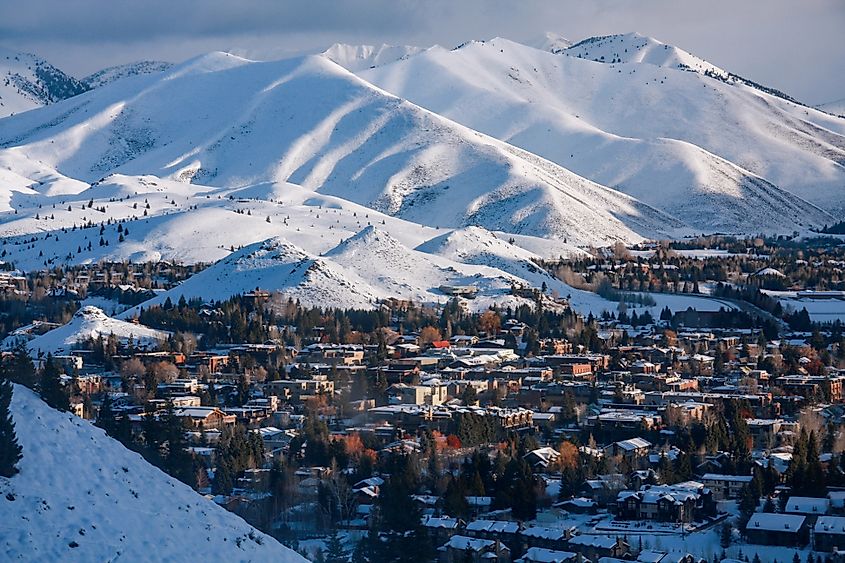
(90, 323)
(360, 57)
(82, 496)
(721, 156)
(28, 82)
(636, 48)
(310, 122)
(359, 272)
(836, 107)
(549, 41)
(119, 72)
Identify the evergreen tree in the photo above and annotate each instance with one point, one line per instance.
(223, 482)
(335, 553)
(108, 421)
(52, 390)
(725, 536)
(454, 501)
(10, 450)
(18, 368)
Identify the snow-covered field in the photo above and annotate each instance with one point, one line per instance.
(81, 496)
(820, 310)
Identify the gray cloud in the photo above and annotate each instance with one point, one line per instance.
(796, 46)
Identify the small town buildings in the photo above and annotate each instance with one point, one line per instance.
(461, 549)
(725, 487)
(829, 533)
(777, 529)
(543, 555)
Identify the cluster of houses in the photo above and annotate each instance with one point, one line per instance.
(628, 399)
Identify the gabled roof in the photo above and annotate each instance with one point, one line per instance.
(783, 523)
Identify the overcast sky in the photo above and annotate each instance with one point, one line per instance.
(794, 45)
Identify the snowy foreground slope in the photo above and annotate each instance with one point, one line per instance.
(90, 323)
(717, 154)
(81, 496)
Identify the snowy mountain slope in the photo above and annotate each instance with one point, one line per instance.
(183, 222)
(661, 134)
(28, 82)
(360, 57)
(90, 323)
(310, 122)
(82, 496)
(636, 48)
(362, 270)
(474, 245)
(549, 41)
(119, 72)
(836, 107)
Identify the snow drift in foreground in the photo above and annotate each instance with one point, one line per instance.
(81, 496)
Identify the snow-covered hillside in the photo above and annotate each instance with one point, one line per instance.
(836, 107)
(549, 41)
(90, 323)
(311, 122)
(119, 72)
(719, 156)
(81, 496)
(636, 48)
(360, 271)
(360, 57)
(28, 82)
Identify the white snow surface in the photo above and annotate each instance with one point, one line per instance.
(360, 57)
(360, 271)
(79, 487)
(720, 156)
(549, 41)
(119, 72)
(636, 48)
(91, 322)
(223, 121)
(29, 82)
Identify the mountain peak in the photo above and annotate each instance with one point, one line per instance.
(633, 47)
(355, 58)
(549, 41)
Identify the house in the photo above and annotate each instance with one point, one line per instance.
(440, 529)
(595, 547)
(777, 529)
(542, 555)
(460, 549)
(367, 490)
(829, 533)
(542, 458)
(493, 529)
(725, 486)
(810, 507)
(548, 538)
(684, 502)
(603, 489)
(205, 417)
(631, 450)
